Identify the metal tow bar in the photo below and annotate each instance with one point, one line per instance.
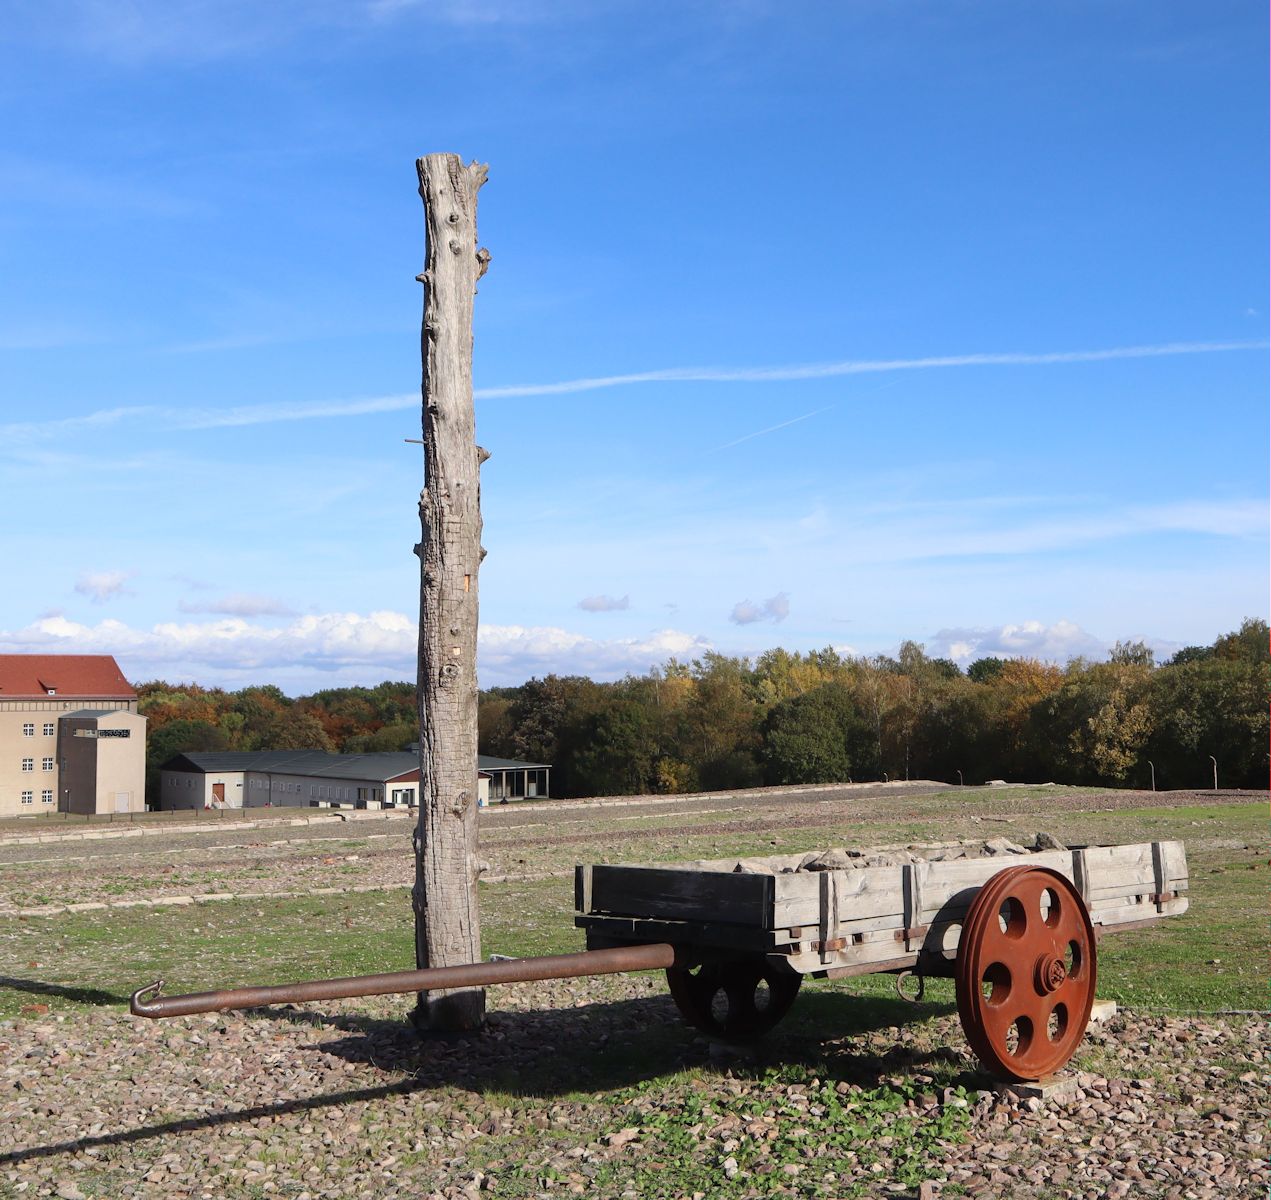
(146, 1001)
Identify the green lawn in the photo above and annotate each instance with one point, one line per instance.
(1213, 957)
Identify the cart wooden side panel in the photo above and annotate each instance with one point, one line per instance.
(852, 921)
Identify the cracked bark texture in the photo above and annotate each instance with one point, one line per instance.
(447, 922)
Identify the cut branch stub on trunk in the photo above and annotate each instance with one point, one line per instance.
(447, 923)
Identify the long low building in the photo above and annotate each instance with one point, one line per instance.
(317, 779)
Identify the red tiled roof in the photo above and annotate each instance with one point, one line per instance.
(78, 676)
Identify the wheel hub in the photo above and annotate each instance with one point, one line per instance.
(1049, 974)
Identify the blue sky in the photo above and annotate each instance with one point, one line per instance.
(943, 321)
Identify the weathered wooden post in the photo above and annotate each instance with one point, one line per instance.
(447, 922)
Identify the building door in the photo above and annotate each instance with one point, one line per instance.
(218, 795)
(122, 801)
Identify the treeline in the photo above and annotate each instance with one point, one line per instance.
(724, 722)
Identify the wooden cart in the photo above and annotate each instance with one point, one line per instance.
(1017, 933)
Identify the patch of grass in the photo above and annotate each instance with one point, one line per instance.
(1211, 957)
(100, 957)
(755, 1138)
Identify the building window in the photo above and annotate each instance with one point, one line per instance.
(28, 730)
(46, 764)
(28, 764)
(46, 796)
(28, 797)
(49, 728)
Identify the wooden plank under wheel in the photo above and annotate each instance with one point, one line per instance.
(735, 1000)
(1025, 972)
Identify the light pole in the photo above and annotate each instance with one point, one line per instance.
(1213, 760)
(959, 778)
(1153, 769)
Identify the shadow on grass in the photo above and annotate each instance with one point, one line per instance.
(597, 1048)
(604, 1046)
(80, 995)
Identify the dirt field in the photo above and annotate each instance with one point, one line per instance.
(596, 1086)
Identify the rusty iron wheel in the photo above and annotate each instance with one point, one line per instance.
(1025, 973)
(735, 1001)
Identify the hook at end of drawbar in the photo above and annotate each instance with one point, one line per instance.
(140, 1004)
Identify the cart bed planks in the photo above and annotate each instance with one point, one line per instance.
(861, 919)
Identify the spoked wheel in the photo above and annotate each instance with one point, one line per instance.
(1025, 972)
(736, 1001)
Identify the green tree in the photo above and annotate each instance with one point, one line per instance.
(1132, 654)
(818, 737)
(1251, 643)
(547, 721)
(178, 737)
(722, 734)
(292, 729)
(1213, 706)
(386, 739)
(985, 670)
(1190, 654)
(618, 750)
(1097, 724)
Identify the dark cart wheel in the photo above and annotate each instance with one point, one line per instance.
(736, 1001)
(1025, 972)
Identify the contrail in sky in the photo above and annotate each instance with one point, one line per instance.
(858, 367)
(745, 437)
(261, 414)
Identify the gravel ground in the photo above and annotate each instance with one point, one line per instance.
(349, 1103)
(596, 1086)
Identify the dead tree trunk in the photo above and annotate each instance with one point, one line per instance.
(447, 923)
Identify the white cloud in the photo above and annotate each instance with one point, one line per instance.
(513, 653)
(775, 609)
(100, 586)
(195, 584)
(604, 603)
(315, 651)
(1055, 643)
(1029, 639)
(240, 605)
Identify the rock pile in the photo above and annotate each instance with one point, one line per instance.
(841, 859)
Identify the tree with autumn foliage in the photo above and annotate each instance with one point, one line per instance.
(788, 716)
